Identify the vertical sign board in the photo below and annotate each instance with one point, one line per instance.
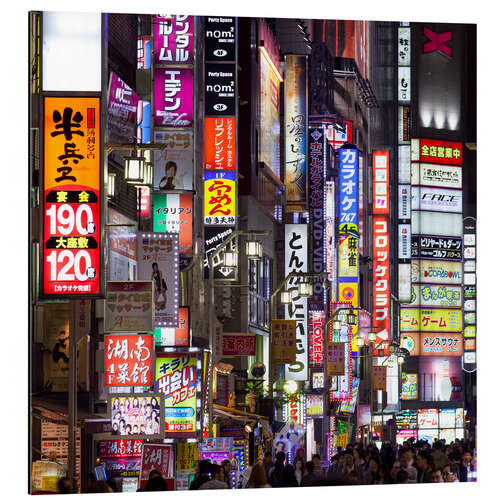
(283, 341)
(71, 196)
(317, 321)
(295, 132)
(295, 261)
(220, 39)
(317, 173)
(220, 143)
(469, 307)
(220, 198)
(173, 40)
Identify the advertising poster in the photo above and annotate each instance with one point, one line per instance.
(174, 336)
(128, 360)
(430, 320)
(173, 40)
(122, 247)
(348, 257)
(173, 97)
(436, 151)
(220, 198)
(238, 344)
(441, 345)
(348, 190)
(349, 406)
(128, 306)
(220, 38)
(173, 166)
(411, 342)
(121, 457)
(296, 259)
(283, 349)
(295, 132)
(173, 213)
(409, 386)
(158, 255)
(122, 110)
(314, 406)
(220, 143)
(136, 414)
(446, 375)
(71, 197)
(186, 456)
(176, 378)
(156, 456)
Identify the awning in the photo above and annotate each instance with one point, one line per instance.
(237, 414)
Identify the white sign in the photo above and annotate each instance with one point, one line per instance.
(469, 357)
(404, 282)
(404, 89)
(404, 241)
(436, 223)
(437, 271)
(296, 257)
(404, 201)
(435, 199)
(443, 176)
(404, 52)
(404, 170)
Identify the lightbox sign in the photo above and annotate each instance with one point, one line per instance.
(411, 342)
(71, 196)
(436, 223)
(314, 406)
(173, 213)
(348, 190)
(220, 198)
(339, 133)
(380, 182)
(442, 176)
(441, 345)
(404, 52)
(430, 320)
(220, 38)
(409, 386)
(220, 89)
(295, 132)
(434, 247)
(176, 378)
(404, 241)
(428, 418)
(436, 199)
(122, 110)
(176, 336)
(404, 201)
(173, 40)
(436, 151)
(436, 296)
(316, 339)
(220, 143)
(404, 125)
(173, 97)
(349, 406)
(404, 88)
(296, 257)
(442, 272)
(214, 236)
(342, 385)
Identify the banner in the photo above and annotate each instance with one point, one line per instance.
(159, 457)
(71, 196)
(173, 97)
(173, 39)
(220, 143)
(295, 132)
(335, 359)
(436, 247)
(128, 306)
(433, 344)
(173, 166)
(348, 190)
(430, 320)
(159, 261)
(296, 257)
(436, 151)
(173, 213)
(379, 378)
(128, 360)
(220, 198)
(283, 348)
(436, 296)
(440, 176)
(236, 344)
(176, 378)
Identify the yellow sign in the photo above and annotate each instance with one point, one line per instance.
(283, 343)
(187, 454)
(220, 198)
(342, 440)
(348, 257)
(348, 292)
(430, 320)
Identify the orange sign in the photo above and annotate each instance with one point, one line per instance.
(220, 143)
(444, 344)
(71, 196)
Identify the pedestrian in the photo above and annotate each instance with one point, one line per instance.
(403, 463)
(275, 471)
(309, 478)
(287, 477)
(300, 455)
(64, 485)
(268, 462)
(318, 470)
(299, 470)
(402, 477)
(100, 486)
(465, 466)
(202, 477)
(451, 473)
(424, 466)
(226, 467)
(258, 478)
(217, 479)
(438, 457)
(371, 473)
(437, 475)
(152, 474)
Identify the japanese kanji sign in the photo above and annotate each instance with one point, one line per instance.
(428, 418)
(186, 456)
(295, 132)
(348, 190)
(173, 97)
(220, 198)
(128, 360)
(409, 386)
(436, 247)
(316, 339)
(158, 255)
(430, 320)
(122, 110)
(129, 306)
(404, 46)
(381, 182)
(220, 143)
(435, 344)
(381, 282)
(283, 341)
(295, 261)
(404, 87)
(293, 410)
(156, 456)
(436, 151)
(71, 196)
(444, 176)
(379, 378)
(436, 296)
(173, 213)
(238, 344)
(348, 257)
(335, 358)
(349, 406)
(173, 40)
(176, 377)
(136, 414)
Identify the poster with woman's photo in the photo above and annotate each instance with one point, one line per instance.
(137, 414)
(158, 255)
(173, 166)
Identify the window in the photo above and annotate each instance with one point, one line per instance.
(259, 290)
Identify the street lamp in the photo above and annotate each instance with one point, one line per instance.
(286, 297)
(361, 341)
(111, 185)
(254, 249)
(134, 168)
(230, 259)
(351, 318)
(337, 325)
(305, 289)
(372, 336)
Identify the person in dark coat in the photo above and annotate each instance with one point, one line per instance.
(309, 478)
(287, 477)
(202, 477)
